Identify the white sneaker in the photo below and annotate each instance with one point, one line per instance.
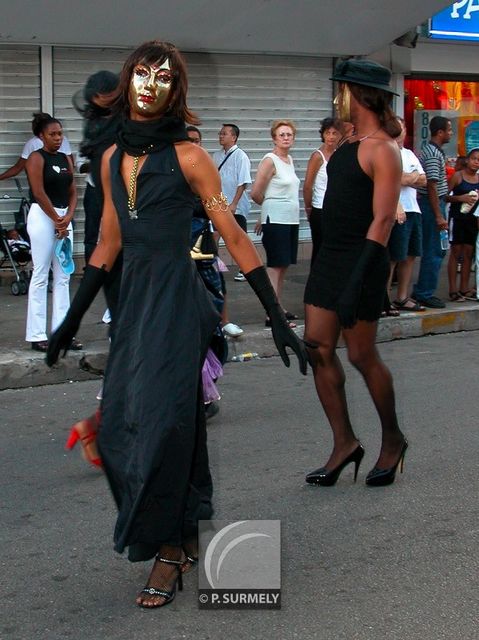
(240, 277)
(232, 330)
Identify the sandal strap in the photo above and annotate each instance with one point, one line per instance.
(407, 304)
(158, 592)
(88, 438)
(469, 294)
(192, 559)
(168, 561)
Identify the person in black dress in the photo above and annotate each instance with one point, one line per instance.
(346, 287)
(152, 440)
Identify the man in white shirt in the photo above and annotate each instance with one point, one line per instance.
(235, 171)
(405, 243)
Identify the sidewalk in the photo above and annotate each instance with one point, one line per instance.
(22, 367)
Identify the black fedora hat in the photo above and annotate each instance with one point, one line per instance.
(365, 72)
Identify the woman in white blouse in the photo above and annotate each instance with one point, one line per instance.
(276, 189)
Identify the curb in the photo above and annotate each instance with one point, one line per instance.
(21, 368)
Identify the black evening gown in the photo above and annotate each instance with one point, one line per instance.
(153, 437)
(346, 217)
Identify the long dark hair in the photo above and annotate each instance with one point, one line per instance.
(379, 102)
(156, 52)
(99, 124)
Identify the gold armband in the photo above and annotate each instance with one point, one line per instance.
(216, 203)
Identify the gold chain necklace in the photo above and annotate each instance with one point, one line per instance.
(133, 213)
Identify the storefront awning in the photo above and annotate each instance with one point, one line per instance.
(304, 27)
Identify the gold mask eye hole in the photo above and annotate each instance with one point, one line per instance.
(165, 78)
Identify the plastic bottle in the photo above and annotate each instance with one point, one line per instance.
(465, 206)
(244, 357)
(444, 235)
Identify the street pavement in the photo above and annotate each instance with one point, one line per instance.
(22, 367)
(358, 563)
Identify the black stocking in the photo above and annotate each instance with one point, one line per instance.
(321, 337)
(362, 353)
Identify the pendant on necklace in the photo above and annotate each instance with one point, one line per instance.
(132, 212)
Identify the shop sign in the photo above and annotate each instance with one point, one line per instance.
(460, 21)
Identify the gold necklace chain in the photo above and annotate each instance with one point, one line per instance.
(132, 189)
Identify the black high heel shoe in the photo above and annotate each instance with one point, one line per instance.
(382, 477)
(168, 596)
(327, 478)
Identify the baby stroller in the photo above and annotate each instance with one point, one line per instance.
(15, 245)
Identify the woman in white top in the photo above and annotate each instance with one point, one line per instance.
(316, 179)
(276, 189)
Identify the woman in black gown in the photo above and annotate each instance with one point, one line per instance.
(346, 287)
(152, 440)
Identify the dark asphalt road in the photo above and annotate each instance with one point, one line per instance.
(357, 563)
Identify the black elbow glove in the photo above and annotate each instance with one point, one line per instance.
(92, 281)
(348, 302)
(283, 336)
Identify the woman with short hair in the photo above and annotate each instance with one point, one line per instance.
(316, 179)
(276, 189)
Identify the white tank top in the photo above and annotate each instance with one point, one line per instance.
(281, 198)
(320, 184)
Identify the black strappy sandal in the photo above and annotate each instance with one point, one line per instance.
(168, 596)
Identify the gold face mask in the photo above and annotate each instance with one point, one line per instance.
(342, 102)
(150, 87)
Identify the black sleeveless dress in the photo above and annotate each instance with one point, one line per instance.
(153, 438)
(346, 218)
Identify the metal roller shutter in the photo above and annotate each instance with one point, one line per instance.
(19, 98)
(254, 90)
(250, 90)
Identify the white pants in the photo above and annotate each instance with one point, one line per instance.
(41, 230)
